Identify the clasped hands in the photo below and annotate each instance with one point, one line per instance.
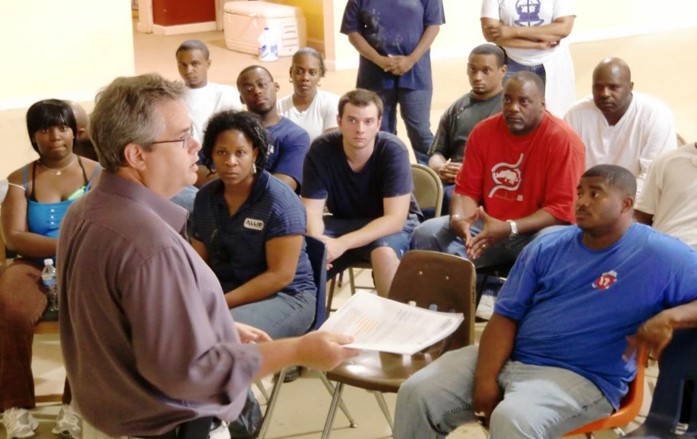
(493, 231)
(396, 64)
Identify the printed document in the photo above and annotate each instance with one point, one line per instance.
(381, 324)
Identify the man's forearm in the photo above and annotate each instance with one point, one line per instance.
(495, 347)
(535, 222)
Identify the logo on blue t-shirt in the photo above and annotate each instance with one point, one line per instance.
(606, 280)
(254, 224)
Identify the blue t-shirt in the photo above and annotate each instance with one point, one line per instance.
(575, 306)
(289, 144)
(393, 27)
(352, 195)
(237, 245)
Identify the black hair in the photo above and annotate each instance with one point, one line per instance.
(616, 176)
(49, 113)
(194, 45)
(245, 122)
(526, 76)
(491, 49)
(311, 52)
(252, 67)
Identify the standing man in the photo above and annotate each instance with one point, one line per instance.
(289, 142)
(149, 345)
(519, 177)
(543, 368)
(485, 70)
(620, 126)
(363, 177)
(394, 39)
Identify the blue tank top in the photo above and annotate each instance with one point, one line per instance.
(45, 218)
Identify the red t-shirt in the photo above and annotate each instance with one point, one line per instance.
(514, 176)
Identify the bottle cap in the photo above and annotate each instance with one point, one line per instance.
(48, 261)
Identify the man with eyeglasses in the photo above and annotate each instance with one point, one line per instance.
(289, 141)
(149, 345)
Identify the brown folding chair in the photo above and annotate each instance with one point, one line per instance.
(427, 278)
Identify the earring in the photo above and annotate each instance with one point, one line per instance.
(254, 169)
(290, 80)
(319, 84)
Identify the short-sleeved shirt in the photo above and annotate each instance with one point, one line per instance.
(204, 102)
(669, 193)
(393, 27)
(148, 338)
(528, 14)
(237, 244)
(576, 306)
(289, 144)
(515, 176)
(319, 117)
(352, 195)
(457, 123)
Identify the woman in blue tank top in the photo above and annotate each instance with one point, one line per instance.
(38, 196)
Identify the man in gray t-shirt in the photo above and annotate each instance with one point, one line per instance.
(485, 70)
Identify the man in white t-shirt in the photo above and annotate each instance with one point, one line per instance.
(619, 126)
(668, 201)
(202, 98)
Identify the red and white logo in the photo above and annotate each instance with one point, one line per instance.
(605, 281)
(506, 176)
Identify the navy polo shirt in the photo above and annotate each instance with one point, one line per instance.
(237, 244)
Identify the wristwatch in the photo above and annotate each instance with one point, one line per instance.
(514, 229)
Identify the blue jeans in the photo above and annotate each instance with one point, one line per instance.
(415, 109)
(435, 234)
(280, 315)
(399, 242)
(514, 67)
(539, 402)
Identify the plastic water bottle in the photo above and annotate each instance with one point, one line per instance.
(48, 279)
(268, 45)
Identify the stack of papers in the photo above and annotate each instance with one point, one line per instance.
(380, 324)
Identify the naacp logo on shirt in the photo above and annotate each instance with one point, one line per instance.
(254, 224)
(605, 281)
(506, 176)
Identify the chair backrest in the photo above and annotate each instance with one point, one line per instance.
(446, 281)
(428, 189)
(317, 253)
(674, 404)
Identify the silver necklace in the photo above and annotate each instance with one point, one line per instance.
(58, 171)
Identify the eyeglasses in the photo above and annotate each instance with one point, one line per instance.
(261, 85)
(185, 140)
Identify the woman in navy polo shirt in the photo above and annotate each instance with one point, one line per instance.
(249, 227)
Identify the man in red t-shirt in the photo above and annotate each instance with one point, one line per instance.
(519, 178)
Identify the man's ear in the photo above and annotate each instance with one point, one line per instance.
(627, 203)
(134, 155)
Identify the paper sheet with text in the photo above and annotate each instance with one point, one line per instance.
(385, 325)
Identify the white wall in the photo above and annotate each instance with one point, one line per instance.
(67, 49)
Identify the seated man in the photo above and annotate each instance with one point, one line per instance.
(557, 353)
(202, 99)
(363, 177)
(289, 142)
(668, 201)
(518, 178)
(485, 70)
(620, 126)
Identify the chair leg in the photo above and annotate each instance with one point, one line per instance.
(385, 410)
(342, 405)
(330, 294)
(332, 410)
(352, 281)
(262, 390)
(266, 421)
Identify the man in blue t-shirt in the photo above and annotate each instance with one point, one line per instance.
(363, 177)
(559, 350)
(289, 142)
